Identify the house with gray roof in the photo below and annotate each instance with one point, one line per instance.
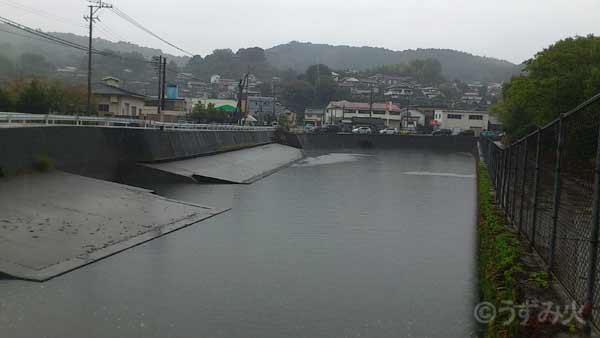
(112, 100)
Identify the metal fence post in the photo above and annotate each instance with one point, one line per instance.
(504, 175)
(591, 277)
(536, 182)
(505, 194)
(489, 152)
(523, 185)
(557, 191)
(512, 203)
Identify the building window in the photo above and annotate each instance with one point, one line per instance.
(103, 108)
(455, 116)
(475, 117)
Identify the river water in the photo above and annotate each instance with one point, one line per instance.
(366, 244)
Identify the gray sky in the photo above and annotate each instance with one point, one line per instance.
(511, 29)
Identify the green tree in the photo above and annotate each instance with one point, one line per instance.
(66, 99)
(33, 99)
(556, 80)
(316, 73)
(208, 113)
(297, 95)
(6, 101)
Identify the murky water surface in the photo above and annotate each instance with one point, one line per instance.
(369, 244)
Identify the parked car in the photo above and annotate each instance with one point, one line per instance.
(442, 132)
(389, 131)
(309, 128)
(467, 133)
(493, 135)
(408, 131)
(362, 130)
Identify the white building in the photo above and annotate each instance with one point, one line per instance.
(391, 114)
(459, 120)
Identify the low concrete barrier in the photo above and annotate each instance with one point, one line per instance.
(349, 141)
(102, 152)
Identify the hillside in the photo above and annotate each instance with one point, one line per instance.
(455, 64)
(15, 43)
(294, 55)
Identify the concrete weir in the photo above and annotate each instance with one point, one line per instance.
(55, 222)
(240, 166)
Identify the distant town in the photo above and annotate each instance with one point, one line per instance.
(380, 100)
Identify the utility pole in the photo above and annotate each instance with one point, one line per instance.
(163, 89)
(158, 63)
(371, 106)
(274, 99)
(407, 111)
(247, 87)
(94, 6)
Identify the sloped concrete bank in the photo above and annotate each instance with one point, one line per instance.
(55, 222)
(105, 152)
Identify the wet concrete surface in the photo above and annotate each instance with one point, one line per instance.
(51, 223)
(240, 166)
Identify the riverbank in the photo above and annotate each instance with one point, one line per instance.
(518, 298)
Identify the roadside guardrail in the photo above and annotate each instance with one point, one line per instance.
(83, 120)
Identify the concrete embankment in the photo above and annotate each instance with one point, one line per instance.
(106, 152)
(239, 166)
(349, 141)
(54, 222)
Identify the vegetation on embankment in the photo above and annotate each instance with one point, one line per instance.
(499, 258)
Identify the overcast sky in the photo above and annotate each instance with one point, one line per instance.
(511, 29)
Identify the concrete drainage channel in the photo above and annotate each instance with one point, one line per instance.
(54, 222)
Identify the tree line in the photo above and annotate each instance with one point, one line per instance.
(42, 97)
(554, 81)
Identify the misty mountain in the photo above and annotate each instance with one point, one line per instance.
(14, 43)
(296, 56)
(455, 64)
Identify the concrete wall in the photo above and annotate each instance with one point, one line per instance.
(104, 152)
(349, 141)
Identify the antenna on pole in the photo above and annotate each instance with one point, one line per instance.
(94, 7)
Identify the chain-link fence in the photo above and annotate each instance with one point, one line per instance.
(548, 185)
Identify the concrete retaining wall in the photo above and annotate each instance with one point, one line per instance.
(349, 141)
(102, 152)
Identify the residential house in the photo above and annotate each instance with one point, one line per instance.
(174, 110)
(399, 91)
(112, 100)
(314, 116)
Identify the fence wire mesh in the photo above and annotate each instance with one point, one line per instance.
(545, 183)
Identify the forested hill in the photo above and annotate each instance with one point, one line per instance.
(455, 64)
(23, 54)
(14, 43)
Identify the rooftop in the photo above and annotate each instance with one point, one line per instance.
(363, 106)
(101, 88)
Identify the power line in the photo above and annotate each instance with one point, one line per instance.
(39, 33)
(59, 41)
(41, 13)
(134, 22)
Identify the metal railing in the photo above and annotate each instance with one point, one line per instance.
(81, 120)
(548, 184)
